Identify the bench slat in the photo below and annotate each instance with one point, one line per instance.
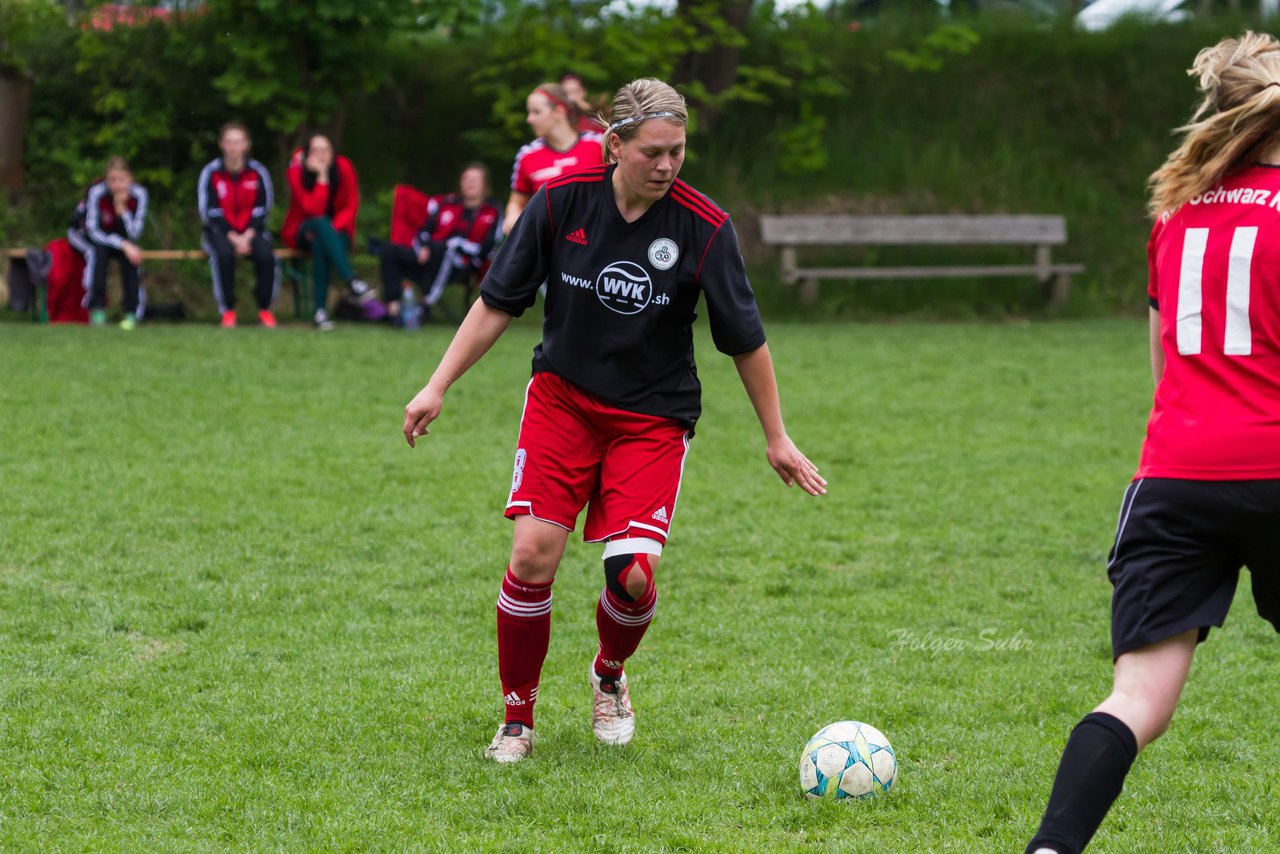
(166, 254)
(913, 230)
(975, 271)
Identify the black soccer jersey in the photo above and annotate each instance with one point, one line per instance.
(622, 297)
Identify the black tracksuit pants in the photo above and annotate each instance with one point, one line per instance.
(222, 268)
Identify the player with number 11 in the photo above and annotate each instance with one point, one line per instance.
(1206, 497)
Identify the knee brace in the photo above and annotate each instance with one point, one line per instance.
(625, 556)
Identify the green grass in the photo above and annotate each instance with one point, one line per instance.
(236, 612)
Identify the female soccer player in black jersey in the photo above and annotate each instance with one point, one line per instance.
(627, 250)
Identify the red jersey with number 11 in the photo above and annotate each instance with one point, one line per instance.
(1215, 279)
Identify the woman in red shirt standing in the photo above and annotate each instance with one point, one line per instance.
(559, 149)
(324, 198)
(1206, 497)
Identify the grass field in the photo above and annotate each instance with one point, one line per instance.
(237, 612)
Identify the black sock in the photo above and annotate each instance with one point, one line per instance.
(1097, 758)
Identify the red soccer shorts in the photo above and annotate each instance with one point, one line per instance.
(577, 450)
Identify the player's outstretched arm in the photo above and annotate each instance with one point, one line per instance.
(480, 328)
(756, 370)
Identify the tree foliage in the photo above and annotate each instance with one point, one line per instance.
(298, 64)
(933, 49)
(26, 27)
(610, 43)
(411, 81)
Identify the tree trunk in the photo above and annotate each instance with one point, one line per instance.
(716, 67)
(15, 98)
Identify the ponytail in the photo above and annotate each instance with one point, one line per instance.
(1240, 79)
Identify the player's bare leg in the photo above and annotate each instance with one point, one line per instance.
(524, 631)
(1148, 683)
(536, 549)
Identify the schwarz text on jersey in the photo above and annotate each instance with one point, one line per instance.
(1238, 196)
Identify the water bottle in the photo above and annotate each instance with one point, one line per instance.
(410, 313)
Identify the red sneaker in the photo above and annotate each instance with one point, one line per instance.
(268, 319)
(228, 320)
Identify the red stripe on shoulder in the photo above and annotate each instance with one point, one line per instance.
(712, 215)
(710, 205)
(694, 200)
(595, 173)
(684, 185)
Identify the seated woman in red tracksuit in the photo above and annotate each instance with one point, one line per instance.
(453, 243)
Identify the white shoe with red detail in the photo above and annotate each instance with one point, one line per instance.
(513, 743)
(612, 720)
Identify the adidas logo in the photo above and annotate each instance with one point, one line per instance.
(579, 236)
(661, 515)
(513, 699)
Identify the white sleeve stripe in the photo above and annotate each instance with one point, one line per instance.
(270, 198)
(202, 192)
(92, 217)
(133, 224)
(520, 155)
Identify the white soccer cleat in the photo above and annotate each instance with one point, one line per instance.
(512, 743)
(612, 720)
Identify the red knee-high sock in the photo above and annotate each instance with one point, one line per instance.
(621, 625)
(524, 631)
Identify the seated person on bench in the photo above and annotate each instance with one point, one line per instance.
(451, 246)
(324, 198)
(106, 226)
(235, 196)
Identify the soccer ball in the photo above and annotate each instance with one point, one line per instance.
(848, 759)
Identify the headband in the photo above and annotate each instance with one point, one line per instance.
(664, 114)
(554, 99)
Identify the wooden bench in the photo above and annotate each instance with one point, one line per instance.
(297, 275)
(1041, 233)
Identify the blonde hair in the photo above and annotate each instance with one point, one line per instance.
(635, 103)
(1236, 122)
(558, 97)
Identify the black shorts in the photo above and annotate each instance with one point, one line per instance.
(1178, 552)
